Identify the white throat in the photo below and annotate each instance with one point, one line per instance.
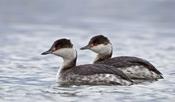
(102, 49)
(68, 55)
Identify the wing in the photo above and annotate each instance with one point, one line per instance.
(127, 61)
(91, 69)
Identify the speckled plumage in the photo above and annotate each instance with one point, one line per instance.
(94, 74)
(96, 79)
(134, 67)
(84, 74)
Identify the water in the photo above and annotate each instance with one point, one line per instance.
(143, 28)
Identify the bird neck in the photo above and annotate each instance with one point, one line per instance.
(102, 57)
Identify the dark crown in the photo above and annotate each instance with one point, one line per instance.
(99, 39)
(62, 43)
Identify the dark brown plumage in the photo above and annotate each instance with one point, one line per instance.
(84, 74)
(91, 69)
(99, 39)
(58, 44)
(127, 61)
(134, 67)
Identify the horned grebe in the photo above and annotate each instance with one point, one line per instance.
(134, 67)
(93, 74)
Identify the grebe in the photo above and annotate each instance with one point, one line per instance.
(133, 67)
(93, 74)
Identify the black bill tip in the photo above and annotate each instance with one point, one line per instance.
(46, 52)
(85, 47)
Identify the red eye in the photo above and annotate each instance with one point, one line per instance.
(92, 45)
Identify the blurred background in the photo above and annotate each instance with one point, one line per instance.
(142, 28)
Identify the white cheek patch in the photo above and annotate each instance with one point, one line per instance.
(102, 49)
(66, 53)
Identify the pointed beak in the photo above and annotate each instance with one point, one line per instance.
(46, 52)
(85, 47)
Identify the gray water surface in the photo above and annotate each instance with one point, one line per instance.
(142, 28)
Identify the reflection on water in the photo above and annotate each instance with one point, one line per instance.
(137, 28)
